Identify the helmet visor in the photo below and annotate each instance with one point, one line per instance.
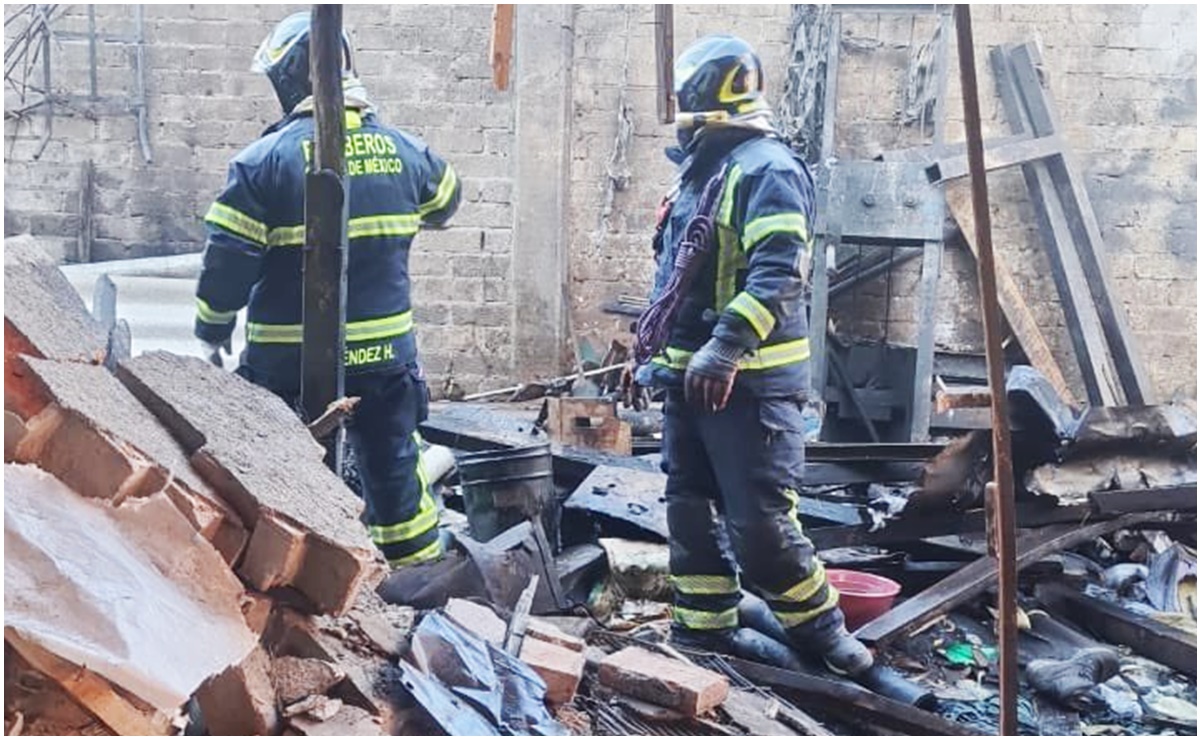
(277, 44)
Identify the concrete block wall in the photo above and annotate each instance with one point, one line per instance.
(1124, 78)
(205, 105)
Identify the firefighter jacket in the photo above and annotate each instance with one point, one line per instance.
(253, 255)
(750, 288)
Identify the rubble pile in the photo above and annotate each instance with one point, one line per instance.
(178, 555)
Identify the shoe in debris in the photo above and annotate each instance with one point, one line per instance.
(1069, 681)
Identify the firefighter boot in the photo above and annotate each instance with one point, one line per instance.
(827, 638)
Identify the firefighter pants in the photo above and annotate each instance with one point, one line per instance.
(746, 462)
(400, 511)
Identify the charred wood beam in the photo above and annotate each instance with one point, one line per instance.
(827, 693)
(981, 575)
(1160, 642)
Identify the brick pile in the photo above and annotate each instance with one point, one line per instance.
(245, 475)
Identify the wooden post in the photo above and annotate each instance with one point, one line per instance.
(325, 216)
(502, 45)
(1000, 490)
(664, 59)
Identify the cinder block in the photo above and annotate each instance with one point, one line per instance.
(663, 681)
(561, 668)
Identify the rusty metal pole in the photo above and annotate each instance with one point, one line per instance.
(665, 53)
(325, 216)
(1000, 499)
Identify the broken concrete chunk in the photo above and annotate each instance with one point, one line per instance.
(43, 317)
(479, 619)
(349, 720)
(251, 448)
(663, 681)
(317, 707)
(561, 668)
(540, 629)
(296, 678)
(241, 699)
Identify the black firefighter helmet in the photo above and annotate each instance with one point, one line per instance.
(284, 58)
(716, 78)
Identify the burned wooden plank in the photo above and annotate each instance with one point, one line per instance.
(1083, 322)
(1026, 61)
(853, 698)
(1008, 152)
(1169, 498)
(976, 578)
(92, 692)
(1013, 303)
(1160, 642)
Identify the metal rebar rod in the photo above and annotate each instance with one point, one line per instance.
(92, 84)
(140, 81)
(48, 109)
(322, 354)
(1001, 487)
(664, 58)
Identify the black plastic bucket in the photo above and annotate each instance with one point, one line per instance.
(503, 488)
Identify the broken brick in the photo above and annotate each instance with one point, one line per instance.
(664, 681)
(256, 610)
(273, 554)
(561, 668)
(241, 699)
(296, 678)
(547, 632)
(247, 444)
(14, 431)
(91, 462)
(478, 619)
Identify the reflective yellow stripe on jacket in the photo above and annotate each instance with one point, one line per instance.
(206, 313)
(446, 189)
(356, 331)
(236, 222)
(765, 358)
(780, 223)
(392, 224)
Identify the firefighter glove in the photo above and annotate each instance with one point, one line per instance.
(710, 374)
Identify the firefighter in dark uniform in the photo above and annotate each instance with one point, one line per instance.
(733, 246)
(253, 258)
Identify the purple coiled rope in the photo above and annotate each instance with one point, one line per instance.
(654, 325)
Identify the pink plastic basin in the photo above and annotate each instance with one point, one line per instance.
(864, 596)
